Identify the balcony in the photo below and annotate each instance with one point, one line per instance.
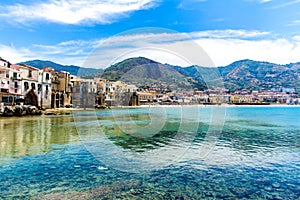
(15, 78)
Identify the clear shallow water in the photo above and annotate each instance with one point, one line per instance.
(157, 153)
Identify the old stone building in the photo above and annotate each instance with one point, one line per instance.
(61, 89)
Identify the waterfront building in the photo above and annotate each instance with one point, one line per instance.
(84, 92)
(23, 84)
(15, 80)
(146, 97)
(5, 96)
(76, 81)
(44, 87)
(126, 95)
(100, 94)
(29, 84)
(61, 94)
(109, 93)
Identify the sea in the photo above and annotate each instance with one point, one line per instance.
(172, 152)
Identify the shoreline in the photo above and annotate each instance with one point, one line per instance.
(167, 106)
(68, 111)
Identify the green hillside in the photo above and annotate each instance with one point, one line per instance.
(142, 71)
(247, 74)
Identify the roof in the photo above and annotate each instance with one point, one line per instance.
(28, 67)
(15, 67)
(48, 69)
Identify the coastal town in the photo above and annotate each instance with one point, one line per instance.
(49, 89)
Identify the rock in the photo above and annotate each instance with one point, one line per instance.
(19, 110)
(8, 111)
(32, 110)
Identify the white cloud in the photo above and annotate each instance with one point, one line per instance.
(285, 4)
(222, 46)
(166, 47)
(296, 38)
(265, 1)
(229, 33)
(75, 11)
(14, 55)
(294, 23)
(71, 52)
(224, 52)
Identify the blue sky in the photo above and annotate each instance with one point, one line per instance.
(93, 33)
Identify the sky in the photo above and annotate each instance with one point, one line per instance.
(97, 33)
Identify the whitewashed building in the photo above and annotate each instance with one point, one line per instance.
(44, 88)
(29, 84)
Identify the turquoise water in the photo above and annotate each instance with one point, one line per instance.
(153, 153)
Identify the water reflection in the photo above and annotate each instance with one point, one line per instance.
(244, 136)
(33, 135)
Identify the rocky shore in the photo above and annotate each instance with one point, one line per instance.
(19, 110)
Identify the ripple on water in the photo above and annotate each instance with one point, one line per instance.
(252, 159)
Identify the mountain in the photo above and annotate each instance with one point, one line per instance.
(243, 74)
(254, 75)
(74, 70)
(208, 77)
(247, 74)
(145, 72)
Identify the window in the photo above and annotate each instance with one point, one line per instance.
(30, 74)
(47, 77)
(5, 99)
(47, 87)
(39, 87)
(16, 91)
(16, 84)
(15, 75)
(33, 86)
(26, 86)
